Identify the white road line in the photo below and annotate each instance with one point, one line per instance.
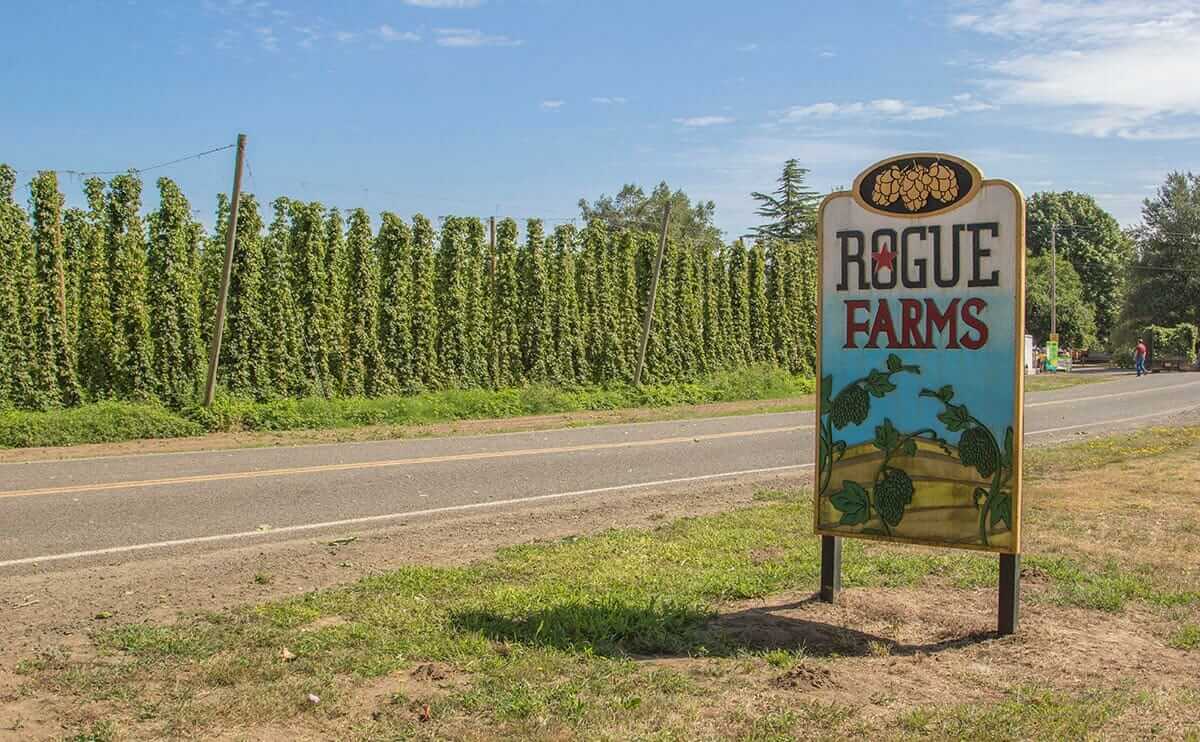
(390, 516)
(1094, 397)
(1111, 422)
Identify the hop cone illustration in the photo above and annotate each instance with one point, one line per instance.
(851, 405)
(914, 187)
(892, 495)
(943, 183)
(976, 448)
(887, 187)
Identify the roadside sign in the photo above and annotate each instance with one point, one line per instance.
(920, 354)
(1052, 354)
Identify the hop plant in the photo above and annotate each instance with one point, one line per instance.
(914, 187)
(887, 186)
(892, 495)
(943, 183)
(851, 405)
(977, 448)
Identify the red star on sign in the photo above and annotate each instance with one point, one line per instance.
(885, 258)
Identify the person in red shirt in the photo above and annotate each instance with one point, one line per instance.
(1139, 358)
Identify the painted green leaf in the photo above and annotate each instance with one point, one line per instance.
(852, 501)
(954, 417)
(877, 383)
(894, 364)
(1002, 510)
(886, 435)
(910, 447)
(826, 393)
(839, 449)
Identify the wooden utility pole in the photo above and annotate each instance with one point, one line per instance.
(649, 318)
(214, 350)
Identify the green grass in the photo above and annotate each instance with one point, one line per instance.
(1104, 450)
(108, 422)
(1050, 382)
(551, 630)
(1187, 637)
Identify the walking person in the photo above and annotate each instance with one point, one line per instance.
(1139, 358)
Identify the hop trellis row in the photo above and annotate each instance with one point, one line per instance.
(107, 303)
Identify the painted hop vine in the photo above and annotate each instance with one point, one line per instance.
(914, 185)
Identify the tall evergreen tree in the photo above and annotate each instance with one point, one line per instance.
(424, 305)
(132, 348)
(505, 345)
(336, 271)
(174, 294)
(739, 305)
(758, 313)
(16, 282)
(365, 370)
(243, 349)
(792, 207)
(284, 353)
(54, 353)
(95, 299)
(310, 292)
(396, 298)
(535, 296)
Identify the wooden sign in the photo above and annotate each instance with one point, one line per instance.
(919, 352)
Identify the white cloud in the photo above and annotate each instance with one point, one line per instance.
(267, 38)
(1119, 68)
(827, 54)
(471, 37)
(344, 37)
(702, 121)
(887, 107)
(608, 101)
(552, 105)
(752, 47)
(444, 3)
(387, 33)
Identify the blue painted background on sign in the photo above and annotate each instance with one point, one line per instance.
(982, 379)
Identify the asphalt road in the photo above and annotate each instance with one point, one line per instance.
(115, 508)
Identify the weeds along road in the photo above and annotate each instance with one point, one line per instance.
(112, 509)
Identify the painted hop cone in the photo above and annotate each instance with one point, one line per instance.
(851, 405)
(976, 448)
(914, 187)
(944, 183)
(887, 187)
(892, 495)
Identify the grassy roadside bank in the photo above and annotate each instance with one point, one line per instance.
(701, 628)
(110, 422)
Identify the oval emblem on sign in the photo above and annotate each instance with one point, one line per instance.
(917, 184)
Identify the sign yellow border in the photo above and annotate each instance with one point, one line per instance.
(1018, 356)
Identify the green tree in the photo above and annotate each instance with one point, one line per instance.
(534, 303)
(508, 366)
(309, 290)
(739, 305)
(174, 294)
(1166, 272)
(95, 299)
(76, 232)
(624, 251)
(132, 349)
(1092, 242)
(479, 288)
(725, 334)
(784, 348)
(791, 208)
(243, 361)
(453, 285)
(1076, 322)
(424, 305)
(396, 298)
(53, 367)
(569, 360)
(800, 285)
(336, 272)
(710, 281)
(603, 341)
(758, 313)
(632, 209)
(688, 339)
(16, 283)
(365, 370)
(283, 355)
(212, 262)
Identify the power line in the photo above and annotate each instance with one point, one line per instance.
(176, 161)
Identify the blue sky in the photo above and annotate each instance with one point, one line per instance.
(520, 107)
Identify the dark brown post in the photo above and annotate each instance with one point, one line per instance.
(831, 568)
(1010, 594)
